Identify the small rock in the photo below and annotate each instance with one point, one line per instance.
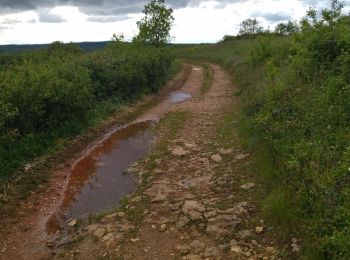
(162, 228)
(233, 242)
(259, 230)
(157, 171)
(210, 214)
(136, 199)
(28, 167)
(211, 251)
(121, 214)
(216, 158)
(197, 246)
(191, 146)
(244, 234)
(225, 151)
(193, 208)
(248, 186)
(236, 249)
(182, 249)
(100, 232)
(160, 197)
(242, 156)
(183, 221)
(134, 240)
(179, 151)
(295, 248)
(111, 216)
(270, 250)
(158, 161)
(108, 237)
(72, 223)
(91, 228)
(192, 257)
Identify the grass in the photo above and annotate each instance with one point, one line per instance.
(207, 78)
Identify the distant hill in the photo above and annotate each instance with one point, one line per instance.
(14, 48)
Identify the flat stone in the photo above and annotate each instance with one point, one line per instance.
(121, 214)
(91, 228)
(197, 246)
(72, 223)
(182, 249)
(108, 237)
(99, 232)
(248, 186)
(225, 151)
(216, 158)
(183, 221)
(193, 208)
(270, 250)
(236, 249)
(179, 151)
(242, 156)
(111, 216)
(211, 252)
(159, 197)
(136, 199)
(244, 234)
(192, 257)
(157, 171)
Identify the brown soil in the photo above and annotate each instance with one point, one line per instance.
(197, 204)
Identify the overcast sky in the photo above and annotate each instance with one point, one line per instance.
(45, 21)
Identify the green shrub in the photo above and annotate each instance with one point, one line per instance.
(49, 94)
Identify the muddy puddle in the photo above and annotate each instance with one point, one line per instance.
(98, 181)
(177, 97)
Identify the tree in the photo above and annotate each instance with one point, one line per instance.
(154, 27)
(287, 28)
(250, 27)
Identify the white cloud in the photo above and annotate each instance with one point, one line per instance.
(205, 21)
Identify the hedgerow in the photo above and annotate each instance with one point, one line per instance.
(50, 94)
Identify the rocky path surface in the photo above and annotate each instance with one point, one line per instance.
(196, 203)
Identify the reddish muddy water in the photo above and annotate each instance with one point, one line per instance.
(97, 181)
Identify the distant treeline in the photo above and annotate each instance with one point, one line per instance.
(15, 48)
(57, 91)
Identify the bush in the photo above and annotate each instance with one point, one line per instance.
(48, 94)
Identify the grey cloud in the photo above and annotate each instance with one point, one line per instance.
(114, 7)
(96, 7)
(272, 17)
(47, 17)
(16, 21)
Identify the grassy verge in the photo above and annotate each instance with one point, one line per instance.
(294, 118)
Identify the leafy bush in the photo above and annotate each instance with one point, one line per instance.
(48, 94)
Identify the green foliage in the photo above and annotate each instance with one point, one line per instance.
(154, 28)
(295, 98)
(287, 28)
(50, 94)
(303, 115)
(250, 27)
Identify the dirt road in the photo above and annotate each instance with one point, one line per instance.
(195, 199)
